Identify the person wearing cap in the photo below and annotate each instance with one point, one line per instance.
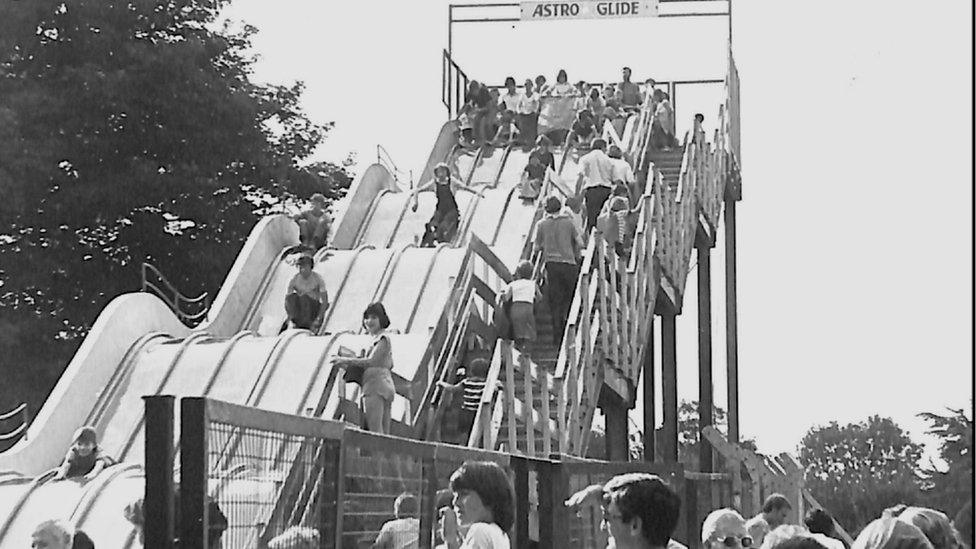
(84, 458)
(444, 222)
(557, 239)
(640, 510)
(314, 224)
(306, 299)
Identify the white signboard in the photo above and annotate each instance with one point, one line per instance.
(588, 9)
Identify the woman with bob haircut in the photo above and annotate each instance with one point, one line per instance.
(378, 388)
(484, 504)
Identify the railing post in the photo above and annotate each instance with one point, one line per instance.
(553, 515)
(158, 499)
(669, 388)
(649, 398)
(428, 513)
(194, 468)
(520, 466)
(330, 494)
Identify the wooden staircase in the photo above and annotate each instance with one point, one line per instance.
(668, 163)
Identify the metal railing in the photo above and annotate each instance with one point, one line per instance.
(190, 310)
(384, 159)
(454, 84)
(19, 414)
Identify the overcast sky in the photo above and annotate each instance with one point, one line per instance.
(855, 250)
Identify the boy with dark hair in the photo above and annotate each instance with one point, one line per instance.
(307, 299)
(471, 387)
(84, 458)
(314, 224)
(404, 531)
(775, 509)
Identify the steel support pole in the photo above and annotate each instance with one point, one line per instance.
(159, 527)
(705, 400)
(669, 387)
(731, 327)
(649, 400)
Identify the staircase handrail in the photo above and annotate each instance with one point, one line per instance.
(165, 290)
(384, 159)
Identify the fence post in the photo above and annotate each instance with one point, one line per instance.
(329, 495)
(428, 512)
(158, 499)
(194, 468)
(553, 515)
(691, 512)
(520, 466)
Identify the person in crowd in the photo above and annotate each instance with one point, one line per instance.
(557, 239)
(784, 533)
(377, 383)
(596, 105)
(934, 524)
(533, 176)
(725, 529)
(573, 208)
(306, 299)
(492, 114)
(444, 222)
(697, 132)
(562, 87)
(314, 224)
(595, 178)
(610, 97)
(582, 94)
(541, 87)
(616, 211)
(650, 87)
(819, 522)
(522, 292)
(543, 149)
(471, 387)
(622, 173)
(664, 117)
(84, 458)
(888, 532)
(584, 131)
(528, 113)
(466, 127)
(484, 506)
(640, 510)
(52, 534)
(296, 537)
(511, 98)
(478, 99)
(508, 131)
(801, 541)
(775, 509)
(403, 532)
(630, 95)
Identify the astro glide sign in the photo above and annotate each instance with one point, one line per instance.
(587, 9)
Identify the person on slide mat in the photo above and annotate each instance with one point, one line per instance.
(444, 223)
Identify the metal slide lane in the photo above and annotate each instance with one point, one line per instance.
(352, 294)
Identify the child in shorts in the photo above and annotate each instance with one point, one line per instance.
(472, 386)
(532, 177)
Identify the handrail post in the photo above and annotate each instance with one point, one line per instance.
(159, 492)
(194, 468)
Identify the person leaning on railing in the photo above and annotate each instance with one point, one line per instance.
(377, 374)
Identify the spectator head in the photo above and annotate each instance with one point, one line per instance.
(474, 86)
(441, 171)
(798, 542)
(595, 93)
(493, 93)
(626, 72)
(508, 115)
(317, 200)
(134, 514)
(52, 534)
(783, 533)
(534, 159)
(581, 85)
(963, 522)
(599, 143)
(553, 205)
(651, 82)
(934, 524)
(699, 117)
(659, 95)
(510, 83)
(724, 528)
(524, 270)
(562, 77)
(483, 493)
(615, 152)
(583, 114)
(405, 506)
(543, 141)
(528, 85)
(478, 368)
(665, 96)
(305, 263)
(540, 81)
(888, 532)
(85, 440)
(296, 537)
(377, 311)
(819, 521)
(639, 508)
(620, 189)
(775, 509)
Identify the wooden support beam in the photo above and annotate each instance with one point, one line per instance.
(649, 400)
(615, 411)
(705, 396)
(669, 387)
(731, 326)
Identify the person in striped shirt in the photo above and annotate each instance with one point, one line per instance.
(472, 386)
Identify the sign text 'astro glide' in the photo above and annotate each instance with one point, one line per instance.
(587, 9)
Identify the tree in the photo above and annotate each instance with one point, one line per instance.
(948, 490)
(130, 132)
(859, 469)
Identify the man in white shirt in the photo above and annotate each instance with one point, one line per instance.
(512, 97)
(596, 179)
(404, 531)
(528, 113)
(775, 509)
(622, 172)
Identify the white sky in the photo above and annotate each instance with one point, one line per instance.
(854, 235)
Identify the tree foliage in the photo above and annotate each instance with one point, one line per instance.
(859, 469)
(130, 132)
(949, 489)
